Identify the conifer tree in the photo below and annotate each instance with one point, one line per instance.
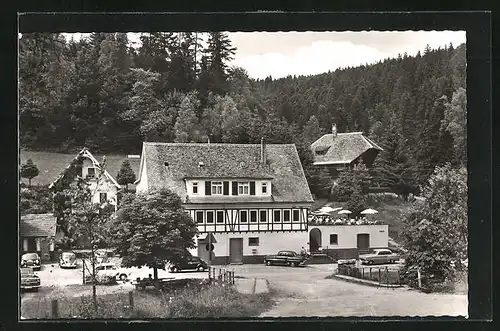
(125, 175)
(29, 170)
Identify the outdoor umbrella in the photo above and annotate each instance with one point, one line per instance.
(369, 211)
(345, 211)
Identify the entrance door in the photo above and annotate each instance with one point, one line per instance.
(31, 245)
(236, 250)
(363, 243)
(203, 250)
(314, 240)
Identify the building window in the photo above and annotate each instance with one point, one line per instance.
(216, 188)
(334, 239)
(296, 215)
(195, 188)
(277, 216)
(286, 216)
(243, 188)
(90, 172)
(253, 216)
(263, 216)
(210, 216)
(253, 241)
(243, 216)
(220, 216)
(103, 197)
(264, 188)
(199, 217)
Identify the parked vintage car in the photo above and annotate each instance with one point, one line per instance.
(346, 261)
(289, 258)
(108, 273)
(189, 263)
(29, 281)
(31, 260)
(379, 256)
(67, 260)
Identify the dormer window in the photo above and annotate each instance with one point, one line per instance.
(216, 188)
(264, 188)
(243, 188)
(90, 172)
(195, 188)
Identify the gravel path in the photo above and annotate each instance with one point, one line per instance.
(306, 292)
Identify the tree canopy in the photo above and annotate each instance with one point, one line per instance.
(125, 175)
(101, 93)
(29, 170)
(436, 229)
(151, 229)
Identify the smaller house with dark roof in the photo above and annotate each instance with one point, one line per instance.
(37, 232)
(248, 200)
(336, 151)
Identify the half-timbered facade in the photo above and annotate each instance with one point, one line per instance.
(248, 200)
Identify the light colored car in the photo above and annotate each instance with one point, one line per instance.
(67, 260)
(109, 269)
(379, 256)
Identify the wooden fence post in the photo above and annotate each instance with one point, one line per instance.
(83, 269)
(55, 309)
(370, 273)
(419, 277)
(131, 299)
(209, 272)
(379, 278)
(387, 276)
(363, 273)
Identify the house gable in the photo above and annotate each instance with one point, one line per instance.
(89, 161)
(342, 149)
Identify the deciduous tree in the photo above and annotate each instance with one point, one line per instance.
(151, 229)
(436, 229)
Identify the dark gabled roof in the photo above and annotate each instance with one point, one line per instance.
(51, 165)
(344, 149)
(222, 161)
(38, 225)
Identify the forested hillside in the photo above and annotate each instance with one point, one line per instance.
(101, 93)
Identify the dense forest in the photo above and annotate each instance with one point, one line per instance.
(101, 93)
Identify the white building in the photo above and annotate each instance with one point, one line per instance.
(347, 241)
(249, 200)
(87, 166)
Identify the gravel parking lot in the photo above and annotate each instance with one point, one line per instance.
(302, 291)
(55, 280)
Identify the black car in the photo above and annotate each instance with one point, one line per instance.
(31, 260)
(189, 263)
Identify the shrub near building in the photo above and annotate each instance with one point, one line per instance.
(436, 229)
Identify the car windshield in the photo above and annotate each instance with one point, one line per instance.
(30, 256)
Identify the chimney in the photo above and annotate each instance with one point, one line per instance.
(334, 130)
(262, 151)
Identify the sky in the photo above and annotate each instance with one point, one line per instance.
(279, 54)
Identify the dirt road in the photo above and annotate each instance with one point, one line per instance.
(306, 292)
